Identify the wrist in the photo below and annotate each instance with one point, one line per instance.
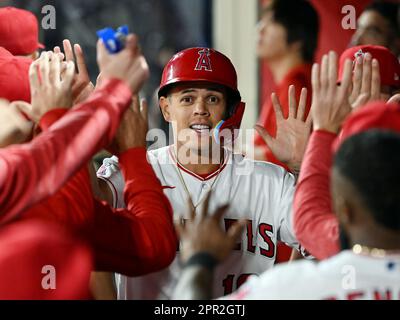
(202, 259)
(328, 128)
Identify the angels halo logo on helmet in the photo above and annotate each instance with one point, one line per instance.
(208, 65)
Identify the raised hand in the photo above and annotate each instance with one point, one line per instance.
(330, 102)
(128, 65)
(49, 89)
(81, 87)
(204, 234)
(366, 82)
(292, 133)
(133, 128)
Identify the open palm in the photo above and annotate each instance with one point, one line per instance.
(292, 133)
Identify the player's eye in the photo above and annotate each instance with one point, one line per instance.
(187, 100)
(212, 99)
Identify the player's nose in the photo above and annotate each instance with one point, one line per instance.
(200, 108)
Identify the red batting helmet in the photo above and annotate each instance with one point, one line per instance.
(208, 65)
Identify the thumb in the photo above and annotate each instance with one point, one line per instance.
(264, 135)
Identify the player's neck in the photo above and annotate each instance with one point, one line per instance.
(201, 163)
(281, 66)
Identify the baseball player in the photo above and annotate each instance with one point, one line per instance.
(367, 207)
(315, 224)
(198, 95)
(19, 32)
(119, 238)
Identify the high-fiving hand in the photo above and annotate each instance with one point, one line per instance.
(292, 133)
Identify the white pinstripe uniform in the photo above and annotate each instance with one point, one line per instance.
(258, 191)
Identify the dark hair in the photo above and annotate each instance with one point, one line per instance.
(370, 161)
(301, 22)
(390, 11)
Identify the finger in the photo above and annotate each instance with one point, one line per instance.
(315, 78)
(292, 101)
(309, 118)
(357, 77)
(180, 228)
(55, 68)
(375, 81)
(277, 106)
(57, 49)
(264, 134)
(236, 229)
(80, 61)
(191, 208)
(347, 77)
(44, 68)
(34, 75)
(132, 43)
(69, 54)
(332, 65)
(324, 72)
(302, 104)
(69, 74)
(367, 75)
(144, 109)
(204, 212)
(220, 212)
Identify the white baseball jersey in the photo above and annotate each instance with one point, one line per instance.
(258, 191)
(346, 276)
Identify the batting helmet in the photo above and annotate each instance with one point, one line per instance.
(208, 65)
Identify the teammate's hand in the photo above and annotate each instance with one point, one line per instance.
(292, 133)
(81, 87)
(128, 65)
(14, 128)
(50, 90)
(133, 128)
(330, 102)
(366, 84)
(203, 233)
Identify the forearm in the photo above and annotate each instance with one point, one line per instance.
(315, 224)
(31, 172)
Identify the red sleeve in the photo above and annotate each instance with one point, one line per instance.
(316, 226)
(34, 171)
(141, 238)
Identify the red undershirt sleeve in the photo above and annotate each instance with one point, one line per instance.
(316, 226)
(31, 172)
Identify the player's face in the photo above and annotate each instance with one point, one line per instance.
(272, 38)
(372, 29)
(194, 110)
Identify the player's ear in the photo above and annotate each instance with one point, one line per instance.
(164, 103)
